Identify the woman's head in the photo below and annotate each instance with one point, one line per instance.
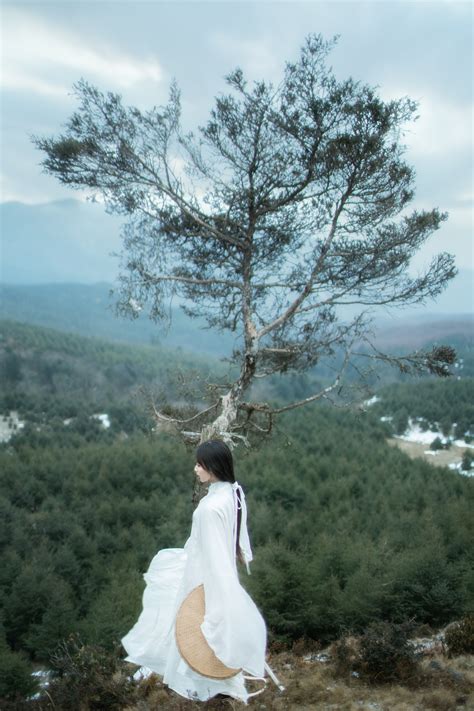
(215, 458)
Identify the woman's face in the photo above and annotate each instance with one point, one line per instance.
(203, 475)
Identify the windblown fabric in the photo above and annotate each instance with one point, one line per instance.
(233, 626)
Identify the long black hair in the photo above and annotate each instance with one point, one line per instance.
(216, 458)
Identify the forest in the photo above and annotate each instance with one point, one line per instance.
(346, 530)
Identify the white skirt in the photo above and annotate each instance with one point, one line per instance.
(151, 641)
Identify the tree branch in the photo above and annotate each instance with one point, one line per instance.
(156, 278)
(309, 285)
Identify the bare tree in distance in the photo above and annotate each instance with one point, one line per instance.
(290, 203)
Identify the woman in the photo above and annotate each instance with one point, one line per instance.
(233, 627)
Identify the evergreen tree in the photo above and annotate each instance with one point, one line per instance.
(293, 201)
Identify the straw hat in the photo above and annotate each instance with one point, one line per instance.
(191, 642)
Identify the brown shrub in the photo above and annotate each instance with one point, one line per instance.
(459, 638)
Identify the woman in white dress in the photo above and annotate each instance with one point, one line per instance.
(233, 627)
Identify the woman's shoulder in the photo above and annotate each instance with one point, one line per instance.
(218, 499)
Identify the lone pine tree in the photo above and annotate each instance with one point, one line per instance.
(292, 201)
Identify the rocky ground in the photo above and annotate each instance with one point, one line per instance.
(311, 683)
(315, 679)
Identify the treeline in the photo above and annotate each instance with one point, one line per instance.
(346, 530)
(446, 404)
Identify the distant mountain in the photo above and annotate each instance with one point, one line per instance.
(87, 310)
(62, 241)
(72, 241)
(415, 332)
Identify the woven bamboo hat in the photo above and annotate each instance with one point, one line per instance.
(191, 642)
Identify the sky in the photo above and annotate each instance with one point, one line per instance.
(407, 48)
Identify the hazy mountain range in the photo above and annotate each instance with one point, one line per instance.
(62, 241)
(73, 241)
(87, 309)
(58, 266)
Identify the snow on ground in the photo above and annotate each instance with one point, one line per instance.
(457, 466)
(43, 676)
(9, 425)
(371, 401)
(104, 419)
(414, 433)
(462, 443)
(142, 673)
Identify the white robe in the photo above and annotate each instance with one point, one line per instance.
(233, 626)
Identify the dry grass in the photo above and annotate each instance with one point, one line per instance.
(441, 685)
(442, 458)
(436, 682)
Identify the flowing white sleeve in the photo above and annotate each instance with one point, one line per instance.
(233, 626)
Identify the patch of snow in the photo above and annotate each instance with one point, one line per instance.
(386, 418)
(464, 472)
(142, 673)
(9, 425)
(371, 401)
(103, 419)
(68, 421)
(431, 452)
(43, 676)
(414, 433)
(462, 443)
(322, 657)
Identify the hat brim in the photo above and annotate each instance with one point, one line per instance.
(191, 642)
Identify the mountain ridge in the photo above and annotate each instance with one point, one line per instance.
(87, 309)
(78, 241)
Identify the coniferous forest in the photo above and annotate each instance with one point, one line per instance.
(346, 530)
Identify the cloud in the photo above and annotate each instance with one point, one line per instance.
(255, 56)
(442, 127)
(46, 59)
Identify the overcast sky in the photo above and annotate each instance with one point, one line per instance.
(415, 48)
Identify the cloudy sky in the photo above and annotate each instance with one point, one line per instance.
(415, 48)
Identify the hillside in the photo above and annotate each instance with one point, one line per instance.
(87, 309)
(347, 531)
(49, 376)
(75, 241)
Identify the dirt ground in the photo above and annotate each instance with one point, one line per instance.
(312, 686)
(441, 458)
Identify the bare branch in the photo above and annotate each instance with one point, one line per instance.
(156, 278)
(167, 419)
